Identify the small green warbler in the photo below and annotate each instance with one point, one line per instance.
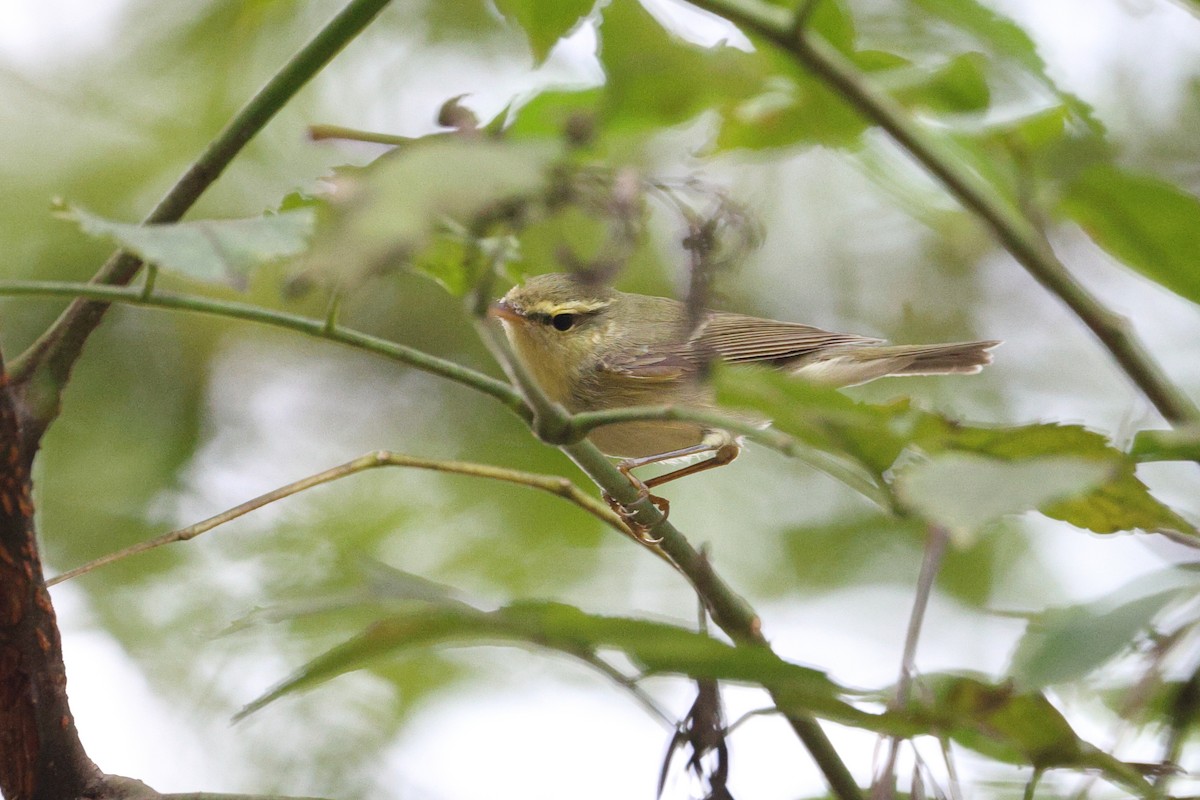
(591, 347)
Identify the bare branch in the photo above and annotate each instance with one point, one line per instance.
(555, 485)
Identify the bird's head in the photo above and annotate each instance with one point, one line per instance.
(557, 323)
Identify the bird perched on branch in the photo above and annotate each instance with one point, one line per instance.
(592, 348)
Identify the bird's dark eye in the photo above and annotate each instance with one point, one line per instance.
(564, 322)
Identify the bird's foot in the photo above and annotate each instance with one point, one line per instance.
(640, 530)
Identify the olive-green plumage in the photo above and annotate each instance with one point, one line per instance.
(591, 347)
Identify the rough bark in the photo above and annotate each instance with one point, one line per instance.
(41, 757)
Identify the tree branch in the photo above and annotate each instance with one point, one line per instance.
(319, 328)
(1017, 234)
(562, 487)
(42, 372)
(40, 752)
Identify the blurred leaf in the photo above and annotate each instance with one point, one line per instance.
(964, 491)
(387, 583)
(830, 19)
(552, 113)
(1121, 503)
(984, 23)
(789, 111)
(1015, 727)
(1145, 222)
(211, 250)
(569, 232)
(1008, 40)
(414, 197)
(880, 548)
(1172, 703)
(545, 22)
(833, 21)
(875, 436)
(823, 418)
(1065, 644)
(1177, 444)
(656, 647)
(957, 86)
(473, 22)
(647, 67)
(864, 548)
(995, 720)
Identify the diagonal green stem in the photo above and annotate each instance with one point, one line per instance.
(1013, 230)
(44, 369)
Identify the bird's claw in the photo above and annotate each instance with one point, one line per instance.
(640, 530)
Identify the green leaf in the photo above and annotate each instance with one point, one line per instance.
(1065, 644)
(789, 111)
(1175, 444)
(994, 720)
(1014, 727)
(223, 251)
(830, 19)
(822, 418)
(874, 437)
(881, 548)
(648, 68)
(1005, 39)
(985, 24)
(965, 491)
(656, 647)
(544, 22)
(552, 113)
(1149, 224)
(958, 86)
(1121, 503)
(410, 206)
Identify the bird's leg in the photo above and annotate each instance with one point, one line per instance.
(722, 454)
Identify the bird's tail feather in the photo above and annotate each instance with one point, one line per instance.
(943, 359)
(854, 364)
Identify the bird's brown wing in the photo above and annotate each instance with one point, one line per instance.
(663, 365)
(738, 338)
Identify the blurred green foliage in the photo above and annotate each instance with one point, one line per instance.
(171, 417)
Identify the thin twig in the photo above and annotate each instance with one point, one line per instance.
(935, 549)
(749, 715)
(951, 768)
(321, 132)
(1016, 233)
(623, 680)
(555, 485)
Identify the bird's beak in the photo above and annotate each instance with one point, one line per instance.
(504, 312)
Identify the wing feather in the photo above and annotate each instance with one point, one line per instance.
(739, 338)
